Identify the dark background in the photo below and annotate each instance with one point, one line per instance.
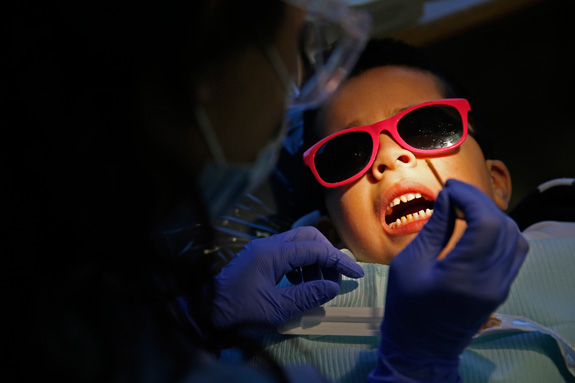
(518, 70)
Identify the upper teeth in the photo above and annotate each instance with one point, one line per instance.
(422, 214)
(403, 198)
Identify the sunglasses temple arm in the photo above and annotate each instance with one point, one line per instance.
(458, 213)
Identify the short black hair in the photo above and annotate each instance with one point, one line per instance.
(387, 52)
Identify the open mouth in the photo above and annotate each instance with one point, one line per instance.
(406, 208)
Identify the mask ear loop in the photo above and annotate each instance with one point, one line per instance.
(212, 141)
(203, 119)
(277, 62)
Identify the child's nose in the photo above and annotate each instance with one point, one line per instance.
(390, 156)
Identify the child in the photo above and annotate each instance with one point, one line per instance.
(397, 175)
(376, 208)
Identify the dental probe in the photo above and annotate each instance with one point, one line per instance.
(458, 212)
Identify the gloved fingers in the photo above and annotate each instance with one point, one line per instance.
(306, 246)
(479, 209)
(315, 272)
(521, 251)
(506, 267)
(490, 232)
(435, 307)
(295, 277)
(311, 273)
(442, 222)
(304, 297)
(304, 274)
(285, 252)
(331, 275)
(299, 254)
(489, 253)
(433, 237)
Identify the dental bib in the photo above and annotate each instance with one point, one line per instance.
(530, 339)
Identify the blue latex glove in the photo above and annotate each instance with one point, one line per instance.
(433, 308)
(245, 289)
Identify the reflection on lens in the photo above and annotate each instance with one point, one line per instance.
(343, 156)
(431, 127)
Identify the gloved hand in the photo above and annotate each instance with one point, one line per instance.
(433, 308)
(315, 271)
(245, 289)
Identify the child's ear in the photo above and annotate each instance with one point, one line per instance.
(326, 227)
(501, 182)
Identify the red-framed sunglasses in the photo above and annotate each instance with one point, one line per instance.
(429, 128)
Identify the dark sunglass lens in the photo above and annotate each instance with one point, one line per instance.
(343, 156)
(431, 127)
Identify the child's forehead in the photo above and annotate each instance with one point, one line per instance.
(378, 94)
(358, 122)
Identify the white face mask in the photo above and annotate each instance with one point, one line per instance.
(222, 183)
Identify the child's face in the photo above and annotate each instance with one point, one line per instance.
(358, 209)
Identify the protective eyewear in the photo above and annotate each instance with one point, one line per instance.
(331, 40)
(430, 128)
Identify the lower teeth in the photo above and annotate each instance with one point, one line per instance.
(411, 217)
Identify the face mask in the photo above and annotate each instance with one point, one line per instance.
(222, 184)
